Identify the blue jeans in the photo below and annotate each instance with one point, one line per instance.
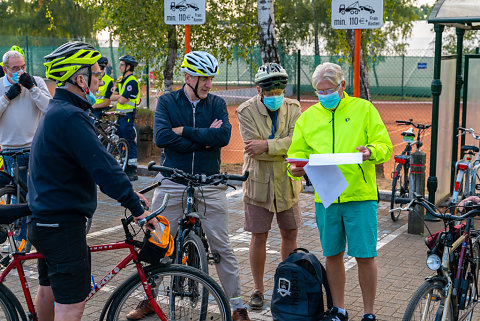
(126, 131)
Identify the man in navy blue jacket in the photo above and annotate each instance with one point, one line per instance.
(192, 126)
(67, 162)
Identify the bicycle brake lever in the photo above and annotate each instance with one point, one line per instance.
(230, 185)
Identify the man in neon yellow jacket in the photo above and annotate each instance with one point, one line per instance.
(343, 124)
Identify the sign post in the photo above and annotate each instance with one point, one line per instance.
(357, 14)
(184, 12)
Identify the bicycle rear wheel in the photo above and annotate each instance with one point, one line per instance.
(471, 274)
(400, 190)
(428, 302)
(178, 290)
(8, 196)
(120, 152)
(8, 311)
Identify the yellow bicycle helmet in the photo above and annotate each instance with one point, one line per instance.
(67, 59)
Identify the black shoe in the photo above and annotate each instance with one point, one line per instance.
(256, 300)
(335, 315)
(369, 317)
(131, 172)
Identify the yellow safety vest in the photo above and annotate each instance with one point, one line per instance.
(102, 90)
(130, 105)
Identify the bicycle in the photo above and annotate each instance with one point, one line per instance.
(15, 191)
(191, 246)
(454, 254)
(401, 175)
(466, 169)
(118, 147)
(174, 291)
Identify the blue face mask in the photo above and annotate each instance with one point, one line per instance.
(273, 102)
(329, 101)
(15, 77)
(90, 98)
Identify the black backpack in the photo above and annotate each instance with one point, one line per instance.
(298, 290)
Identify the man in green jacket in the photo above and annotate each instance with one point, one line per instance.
(266, 124)
(343, 124)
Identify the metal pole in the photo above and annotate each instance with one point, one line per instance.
(456, 108)
(226, 75)
(356, 63)
(187, 39)
(114, 69)
(403, 76)
(148, 87)
(432, 182)
(298, 73)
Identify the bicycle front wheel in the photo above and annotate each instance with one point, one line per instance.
(471, 275)
(194, 253)
(8, 311)
(120, 152)
(178, 291)
(428, 303)
(399, 190)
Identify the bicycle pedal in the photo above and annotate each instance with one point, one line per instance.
(213, 258)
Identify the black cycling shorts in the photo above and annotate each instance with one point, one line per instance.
(66, 267)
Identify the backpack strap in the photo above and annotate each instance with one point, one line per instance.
(328, 294)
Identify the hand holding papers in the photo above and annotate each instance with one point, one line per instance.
(327, 179)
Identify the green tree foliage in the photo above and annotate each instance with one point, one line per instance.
(139, 26)
(47, 18)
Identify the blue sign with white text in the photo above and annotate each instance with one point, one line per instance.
(422, 65)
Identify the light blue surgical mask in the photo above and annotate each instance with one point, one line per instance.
(89, 96)
(15, 77)
(273, 102)
(329, 101)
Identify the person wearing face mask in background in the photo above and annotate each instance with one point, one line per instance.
(343, 124)
(266, 124)
(13, 48)
(23, 100)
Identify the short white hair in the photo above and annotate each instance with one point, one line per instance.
(11, 54)
(327, 71)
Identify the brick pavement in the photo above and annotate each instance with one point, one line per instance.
(401, 258)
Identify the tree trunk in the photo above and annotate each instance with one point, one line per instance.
(364, 86)
(171, 57)
(315, 26)
(266, 31)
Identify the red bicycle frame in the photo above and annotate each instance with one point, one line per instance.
(132, 256)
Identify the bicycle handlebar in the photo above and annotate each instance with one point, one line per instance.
(471, 131)
(142, 222)
(411, 123)
(419, 200)
(15, 152)
(197, 178)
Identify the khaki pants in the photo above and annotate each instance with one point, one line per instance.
(214, 223)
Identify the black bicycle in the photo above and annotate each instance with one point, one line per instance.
(107, 133)
(15, 192)
(401, 175)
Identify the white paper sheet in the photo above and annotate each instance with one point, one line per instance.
(328, 181)
(335, 159)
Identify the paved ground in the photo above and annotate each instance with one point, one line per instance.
(401, 259)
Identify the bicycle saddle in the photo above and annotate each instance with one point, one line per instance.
(470, 147)
(10, 213)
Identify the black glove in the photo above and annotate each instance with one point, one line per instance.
(13, 92)
(26, 80)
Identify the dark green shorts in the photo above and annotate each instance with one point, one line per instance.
(352, 222)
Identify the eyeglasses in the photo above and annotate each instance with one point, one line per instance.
(328, 91)
(97, 74)
(17, 68)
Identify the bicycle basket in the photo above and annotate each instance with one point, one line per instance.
(157, 244)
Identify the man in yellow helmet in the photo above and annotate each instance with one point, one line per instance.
(67, 163)
(14, 48)
(127, 96)
(104, 92)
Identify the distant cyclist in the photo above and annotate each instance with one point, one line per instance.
(23, 101)
(66, 165)
(127, 96)
(105, 91)
(14, 48)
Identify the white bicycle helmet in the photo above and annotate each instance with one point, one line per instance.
(200, 63)
(271, 76)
